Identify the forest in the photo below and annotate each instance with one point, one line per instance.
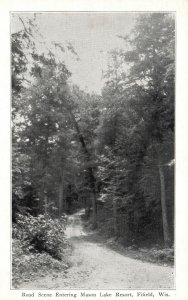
(110, 154)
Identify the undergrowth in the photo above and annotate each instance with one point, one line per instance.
(38, 245)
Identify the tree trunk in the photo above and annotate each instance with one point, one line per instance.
(45, 204)
(45, 160)
(114, 203)
(94, 206)
(91, 176)
(61, 196)
(163, 207)
(115, 217)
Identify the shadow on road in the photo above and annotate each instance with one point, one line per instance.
(85, 234)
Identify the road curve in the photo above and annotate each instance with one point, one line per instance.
(95, 266)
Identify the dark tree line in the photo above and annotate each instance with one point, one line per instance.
(112, 154)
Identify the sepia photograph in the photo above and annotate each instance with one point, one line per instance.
(93, 150)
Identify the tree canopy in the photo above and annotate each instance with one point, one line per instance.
(111, 153)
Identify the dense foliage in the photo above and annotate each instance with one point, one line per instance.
(40, 234)
(137, 132)
(112, 154)
(38, 245)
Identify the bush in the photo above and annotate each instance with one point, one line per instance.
(26, 266)
(38, 245)
(40, 234)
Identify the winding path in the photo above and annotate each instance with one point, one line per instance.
(95, 266)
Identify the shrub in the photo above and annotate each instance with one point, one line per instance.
(40, 234)
(38, 245)
(26, 266)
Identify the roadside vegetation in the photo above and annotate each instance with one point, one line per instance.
(38, 247)
(112, 154)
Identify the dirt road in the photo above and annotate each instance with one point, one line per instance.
(95, 266)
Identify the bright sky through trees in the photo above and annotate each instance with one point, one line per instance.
(92, 36)
(108, 158)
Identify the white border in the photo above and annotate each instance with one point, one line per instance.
(181, 7)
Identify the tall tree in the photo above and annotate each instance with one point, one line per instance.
(139, 113)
